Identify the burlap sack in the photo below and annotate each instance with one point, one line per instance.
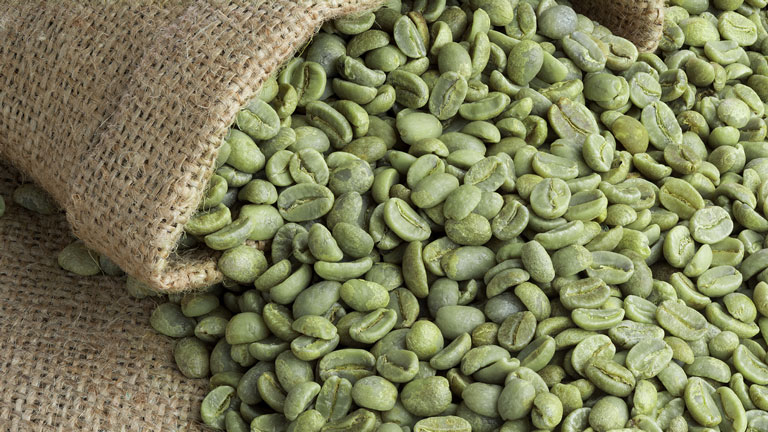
(77, 354)
(118, 108)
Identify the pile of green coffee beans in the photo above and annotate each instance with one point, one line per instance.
(490, 215)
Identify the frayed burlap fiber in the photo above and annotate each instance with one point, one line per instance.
(640, 21)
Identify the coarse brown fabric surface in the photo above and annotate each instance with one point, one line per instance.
(77, 354)
(640, 21)
(118, 109)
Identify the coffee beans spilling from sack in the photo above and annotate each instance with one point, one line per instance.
(488, 215)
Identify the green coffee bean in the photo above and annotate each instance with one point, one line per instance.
(169, 320)
(447, 95)
(597, 319)
(700, 403)
(78, 259)
(374, 392)
(680, 197)
(590, 292)
(410, 90)
(467, 262)
(610, 376)
(191, 358)
(572, 120)
(215, 405)
(373, 326)
(258, 120)
(484, 108)
(231, 235)
(305, 201)
(584, 52)
(628, 333)
(426, 396)
(680, 320)
(750, 366)
(408, 38)
(608, 413)
(648, 357)
(442, 423)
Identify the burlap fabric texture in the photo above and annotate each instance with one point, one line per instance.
(640, 21)
(118, 108)
(77, 354)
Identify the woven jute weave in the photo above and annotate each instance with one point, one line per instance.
(117, 109)
(77, 354)
(641, 21)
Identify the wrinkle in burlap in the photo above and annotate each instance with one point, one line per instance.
(118, 109)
